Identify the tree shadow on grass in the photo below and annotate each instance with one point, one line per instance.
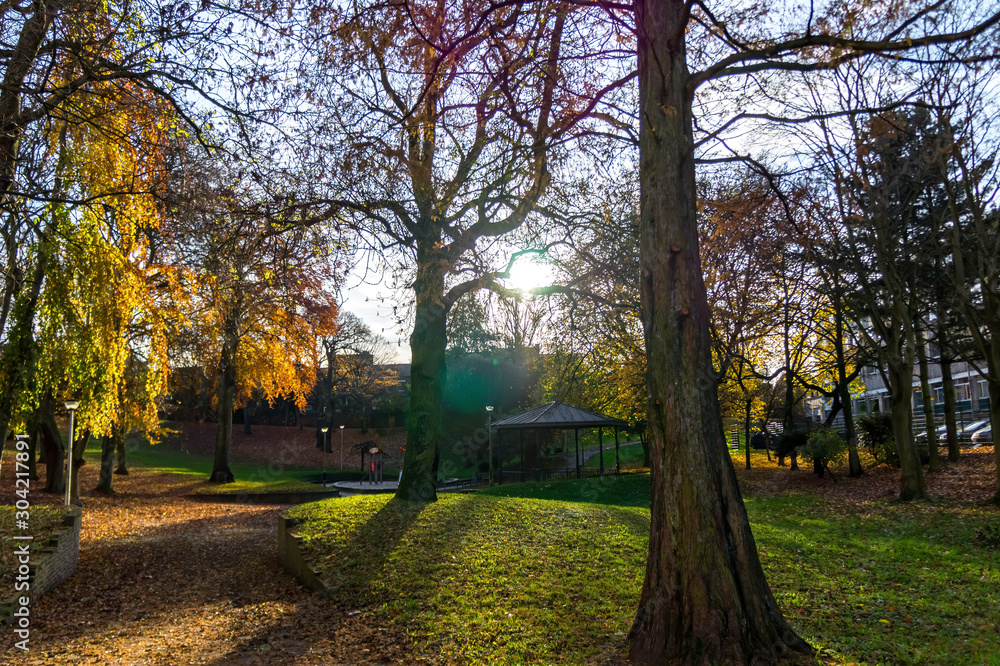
(348, 563)
(357, 566)
(353, 565)
(625, 490)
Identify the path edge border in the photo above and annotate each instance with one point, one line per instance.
(49, 567)
(291, 559)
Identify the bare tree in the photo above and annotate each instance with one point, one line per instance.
(438, 129)
(971, 175)
(357, 366)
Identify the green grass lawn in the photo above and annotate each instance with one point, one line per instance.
(251, 477)
(551, 572)
(627, 490)
(629, 456)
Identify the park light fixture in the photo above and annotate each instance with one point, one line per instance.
(341, 447)
(72, 406)
(489, 435)
(324, 429)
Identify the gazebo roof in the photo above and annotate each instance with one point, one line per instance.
(557, 416)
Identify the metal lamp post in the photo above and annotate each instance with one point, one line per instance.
(324, 429)
(489, 435)
(71, 405)
(341, 448)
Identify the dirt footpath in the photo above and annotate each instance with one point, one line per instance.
(168, 580)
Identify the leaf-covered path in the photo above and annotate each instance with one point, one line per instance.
(165, 579)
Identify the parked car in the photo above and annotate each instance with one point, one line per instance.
(965, 434)
(982, 436)
(940, 433)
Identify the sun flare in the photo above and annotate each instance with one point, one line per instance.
(530, 271)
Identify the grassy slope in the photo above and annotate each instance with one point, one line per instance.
(486, 579)
(551, 572)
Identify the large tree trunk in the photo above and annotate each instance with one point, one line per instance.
(746, 434)
(248, 417)
(427, 376)
(789, 423)
(995, 425)
(55, 453)
(900, 389)
(33, 447)
(227, 398)
(852, 437)
(948, 388)
(17, 361)
(122, 467)
(704, 599)
(844, 389)
(106, 481)
(993, 378)
(934, 464)
(38, 17)
(79, 448)
(20, 62)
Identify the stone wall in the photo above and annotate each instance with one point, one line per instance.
(50, 566)
(290, 556)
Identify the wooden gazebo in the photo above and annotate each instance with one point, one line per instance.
(557, 416)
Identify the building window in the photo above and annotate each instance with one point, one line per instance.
(983, 387)
(962, 392)
(938, 394)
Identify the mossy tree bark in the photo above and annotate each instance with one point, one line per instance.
(704, 598)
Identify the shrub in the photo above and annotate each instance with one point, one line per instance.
(988, 536)
(875, 434)
(823, 447)
(789, 443)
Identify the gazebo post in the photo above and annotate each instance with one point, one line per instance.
(600, 447)
(499, 460)
(576, 436)
(524, 461)
(538, 454)
(618, 460)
